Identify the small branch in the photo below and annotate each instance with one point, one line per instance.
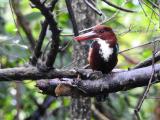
(93, 7)
(37, 50)
(142, 45)
(51, 56)
(72, 17)
(148, 61)
(113, 82)
(146, 91)
(153, 4)
(117, 7)
(151, 8)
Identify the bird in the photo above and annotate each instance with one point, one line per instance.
(103, 51)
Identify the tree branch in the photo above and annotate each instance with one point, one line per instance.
(25, 73)
(117, 7)
(55, 32)
(37, 50)
(113, 82)
(148, 61)
(72, 17)
(109, 83)
(92, 6)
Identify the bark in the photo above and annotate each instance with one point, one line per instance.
(85, 17)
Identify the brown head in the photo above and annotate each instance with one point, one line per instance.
(100, 31)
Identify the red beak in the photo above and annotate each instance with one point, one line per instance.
(86, 36)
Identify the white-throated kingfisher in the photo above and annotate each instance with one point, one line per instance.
(103, 52)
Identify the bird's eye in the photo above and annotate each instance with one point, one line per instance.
(102, 31)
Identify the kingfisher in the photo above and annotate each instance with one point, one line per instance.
(103, 52)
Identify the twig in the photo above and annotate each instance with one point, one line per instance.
(139, 1)
(72, 17)
(149, 7)
(93, 7)
(136, 31)
(117, 7)
(65, 46)
(104, 20)
(145, 94)
(157, 40)
(153, 4)
(37, 50)
(150, 21)
(145, 12)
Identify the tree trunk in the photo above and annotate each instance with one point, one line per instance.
(85, 17)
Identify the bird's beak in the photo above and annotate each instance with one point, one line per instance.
(87, 36)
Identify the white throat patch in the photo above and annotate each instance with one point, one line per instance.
(105, 51)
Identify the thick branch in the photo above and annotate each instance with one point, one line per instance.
(110, 83)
